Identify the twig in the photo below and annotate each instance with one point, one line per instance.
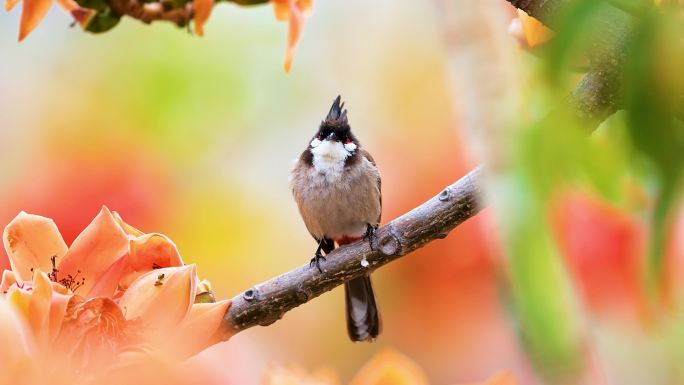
(597, 96)
(166, 10)
(266, 303)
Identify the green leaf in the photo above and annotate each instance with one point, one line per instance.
(103, 21)
(654, 80)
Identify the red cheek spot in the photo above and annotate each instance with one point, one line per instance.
(347, 141)
(318, 136)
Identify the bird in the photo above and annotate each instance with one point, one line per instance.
(337, 187)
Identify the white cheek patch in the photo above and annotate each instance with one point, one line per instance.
(314, 143)
(350, 147)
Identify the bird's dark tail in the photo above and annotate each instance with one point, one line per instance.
(363, 318)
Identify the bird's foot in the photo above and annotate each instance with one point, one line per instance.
(316, 260)
(370, 234)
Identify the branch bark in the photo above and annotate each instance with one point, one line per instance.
(598, 94)
(167, 10)
(266, 303)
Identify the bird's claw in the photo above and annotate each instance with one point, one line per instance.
(316, 260)
(370, 234)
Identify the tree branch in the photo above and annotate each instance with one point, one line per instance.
(167, 10)
(266, 303)
(592, 101)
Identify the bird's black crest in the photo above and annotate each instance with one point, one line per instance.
(337, 115)
(336, 122)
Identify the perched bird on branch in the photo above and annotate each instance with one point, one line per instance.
(337, 187)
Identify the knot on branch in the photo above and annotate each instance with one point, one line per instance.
(446, 195)
(302, 295)
(389, 243)
(251, 294)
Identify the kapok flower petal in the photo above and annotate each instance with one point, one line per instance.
(30, 241)
(39, 307)
(199, 330)
(296, 21)
(146, 253)
(68, 5)
(161, 298)
(20, 300)
(534, 31)
(32, 14)
(108, 282)
(18, 347)
(390, 367)
(8, 279)
(128, 229)
(281, 9)
(306, 6)
(58, 307)
(9, 4)
(152, 251)
(94, 251)
(202, 10)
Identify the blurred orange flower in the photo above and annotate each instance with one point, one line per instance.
(529, 31)
(202, 10)
(388, 367)
(294, 11)
(34, 11)
(500, 379)
(115, 295)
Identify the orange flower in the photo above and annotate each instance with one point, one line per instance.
(116, 292)
(34, 11)
(294, 11)
(529, 31)
(202, 10)
(388, 367)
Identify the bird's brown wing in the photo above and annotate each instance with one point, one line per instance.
(368, 156)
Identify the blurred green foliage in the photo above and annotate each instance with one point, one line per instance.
(654, 83)
(645, 145)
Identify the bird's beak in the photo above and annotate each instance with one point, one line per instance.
(332, 136)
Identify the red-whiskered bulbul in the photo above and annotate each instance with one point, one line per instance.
(337, 187)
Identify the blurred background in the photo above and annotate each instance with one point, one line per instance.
(195, 137)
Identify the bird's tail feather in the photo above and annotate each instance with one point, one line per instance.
(363, 318)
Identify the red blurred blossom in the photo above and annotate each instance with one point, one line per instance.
(604, 248)
(70, 186)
